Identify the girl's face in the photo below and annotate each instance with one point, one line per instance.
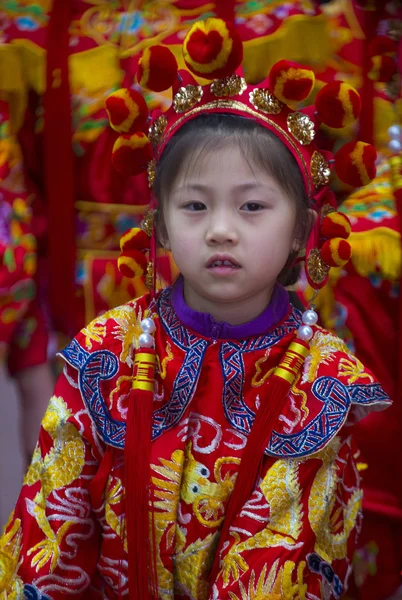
(231, 230)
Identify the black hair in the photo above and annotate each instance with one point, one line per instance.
(260, 148)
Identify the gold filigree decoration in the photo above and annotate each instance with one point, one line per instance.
(301, 127)
(151, 169)
(317, 269)
(157, 129)
(147, 223)
(187, 97)
(266, 102)
(228, 86)
(320, 171)
(149, 277)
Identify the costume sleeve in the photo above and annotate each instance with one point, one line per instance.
(295, 537)
(52, 533)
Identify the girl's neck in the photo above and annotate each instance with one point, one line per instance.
(233, 313)
(209, 326)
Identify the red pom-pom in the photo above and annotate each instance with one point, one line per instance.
(338, 104)
(132, 264)
(291, 82)
(134, 239)
(127, 111)
(132, 153)
(382, 68)
(382, 44)
(157, 68)
(355, 163)
(335, 225)
(336, 252)
(213, 49)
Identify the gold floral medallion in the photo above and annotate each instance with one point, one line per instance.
(320, 171)
(187, 97)
(157, 130)
(266, 102)
(301, 127)
(151, 173)
(228, 86)
(317, 269)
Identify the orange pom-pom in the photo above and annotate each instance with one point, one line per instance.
(132, 153)
(336, 252)
(134, 239)
(382, 44)
(382, 68)
(127, 111)
(355, 163)
(338, 104)
(335, 225)
(132, 264)
(291, 82)
(213, 49)
(157, 68)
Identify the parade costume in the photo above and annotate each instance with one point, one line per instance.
(158, 407)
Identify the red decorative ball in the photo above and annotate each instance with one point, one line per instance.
(213, 49)
(132, 264)
(336, 252)
(132, 153)
(127, 111)
(338, 104)
(335, 225)
(134, 239)
(157, 68)
(382, 68)
(355, 163)
(291, 82)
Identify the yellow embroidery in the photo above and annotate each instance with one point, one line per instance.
(353, 369)
(193, 565)
(257, 381)
(60, 467)
(168, 358)
(11, 586)
(281, 489)
(208, 498)
(277, 585)
(94, 332)
(114, 496)
(167, 492)
(331, 543)
(322, 349)
(117, 390)
(298, 392)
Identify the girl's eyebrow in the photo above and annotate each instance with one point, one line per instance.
(242, 187)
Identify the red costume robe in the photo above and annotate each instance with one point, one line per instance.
(295, 535)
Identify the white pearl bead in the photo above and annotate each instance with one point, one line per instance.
(394, 132)
(146, 340)
(305, 333)
(310, 317)
(395, 145)
(148, 325)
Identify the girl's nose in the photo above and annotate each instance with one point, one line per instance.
(221, 231)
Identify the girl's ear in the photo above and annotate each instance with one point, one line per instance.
(301, 237)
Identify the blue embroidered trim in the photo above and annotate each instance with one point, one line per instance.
(93, 368)
(31, 592)
(335, 396)
(337, 399)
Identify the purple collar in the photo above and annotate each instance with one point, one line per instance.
(205, 325)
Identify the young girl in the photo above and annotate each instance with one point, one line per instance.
(228, 471)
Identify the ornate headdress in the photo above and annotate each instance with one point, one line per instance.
(213, 51)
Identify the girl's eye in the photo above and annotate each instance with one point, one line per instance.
(252, 206)
(195, 206)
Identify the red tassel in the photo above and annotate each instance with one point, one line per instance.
(279, 386)
(137, 455)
